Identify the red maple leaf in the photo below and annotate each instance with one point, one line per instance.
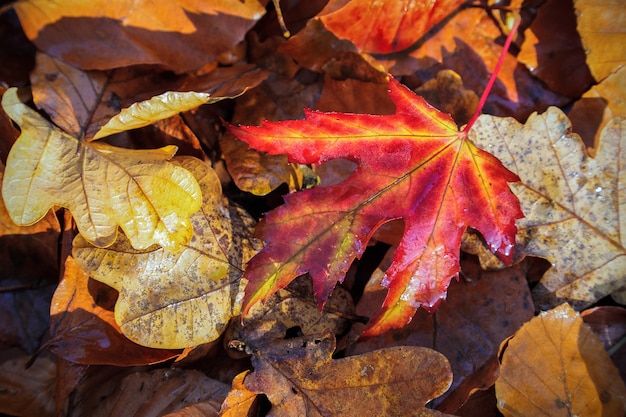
(381, 27)
(414, 165)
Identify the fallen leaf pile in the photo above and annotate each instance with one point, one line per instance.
(255, 208)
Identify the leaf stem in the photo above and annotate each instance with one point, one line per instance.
(494, 75)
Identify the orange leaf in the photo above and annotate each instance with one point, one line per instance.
(556, 366)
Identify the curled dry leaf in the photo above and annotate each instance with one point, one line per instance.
(300, 378)
(573, 203)
(103, 186)
(178, 299)
(180, 35)
(556, 366)
(157, 108)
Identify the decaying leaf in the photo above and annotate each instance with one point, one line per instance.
(300, 378)
(184, 298)
(574, 205)
(103, 186)
(555, 366)
(414, 165)
(294, 307)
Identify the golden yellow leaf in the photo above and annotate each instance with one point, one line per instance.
(602, 28)
(574, 205)
(556, 366)
(178, 299)
(150, 111)
(103, 186)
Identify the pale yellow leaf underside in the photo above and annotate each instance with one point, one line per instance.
(178, 299)
(575, 206)
(103, 186)
(147, 112)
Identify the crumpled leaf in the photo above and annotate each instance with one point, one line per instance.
(413, 165)
(103, 186)
(300, 378)
(556, 366)
(178, 299)
(574, 205)
(181, 35)
(601, 25)
(386, 26)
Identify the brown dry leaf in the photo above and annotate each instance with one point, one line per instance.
(481, 310)
(275, 99)
(80, 102)
(300, 378)
(573, 203)
(103, 186)
(318, 49)
(291, 307)
(258, 173)
(27, 391)
(68, 95)
(240, 400)
(598, 105)
(555, 366)
(145, 393)
(181, 35)
(446, 92)
(552, 50)
(601, 25)
(83, 329)
(185, 298)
